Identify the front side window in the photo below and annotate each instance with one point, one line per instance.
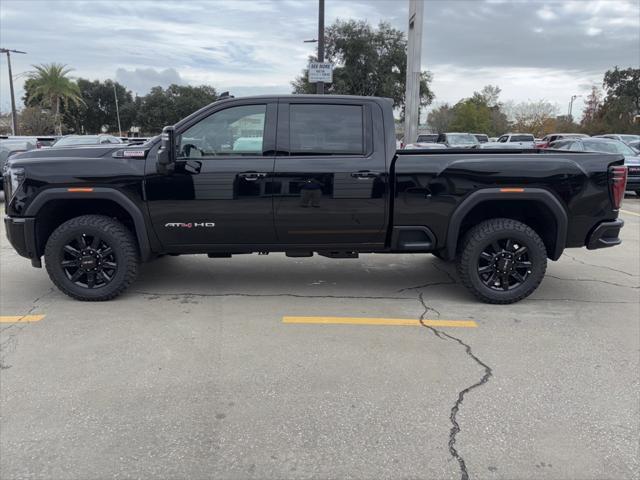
(326, 130)
(230, 132)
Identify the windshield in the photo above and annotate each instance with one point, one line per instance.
(462, 139)
(612, 146)
(629, 138)
(80, 140)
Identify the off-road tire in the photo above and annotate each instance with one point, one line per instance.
(479, 237)
(115, 234)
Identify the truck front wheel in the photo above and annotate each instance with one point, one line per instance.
(502, 261)
(92, 258)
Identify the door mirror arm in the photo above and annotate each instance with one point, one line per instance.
(167, 151)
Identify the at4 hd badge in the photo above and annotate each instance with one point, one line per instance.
(190, 225)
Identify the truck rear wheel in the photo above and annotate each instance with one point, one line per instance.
(502, 261)
(92, 258)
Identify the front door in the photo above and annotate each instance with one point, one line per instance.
(329, 185)
(219, 191)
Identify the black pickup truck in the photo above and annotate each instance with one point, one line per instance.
(303, 175)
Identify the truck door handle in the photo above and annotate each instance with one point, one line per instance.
(365, 174)
(252, 176)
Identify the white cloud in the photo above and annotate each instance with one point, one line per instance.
(546, 13)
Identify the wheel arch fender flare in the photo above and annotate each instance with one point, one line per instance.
(488, 194)
(98, 193)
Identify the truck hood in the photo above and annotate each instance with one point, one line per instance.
(66, 153)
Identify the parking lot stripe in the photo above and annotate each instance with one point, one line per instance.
(379, 321)
(630, 213)
(20, 318)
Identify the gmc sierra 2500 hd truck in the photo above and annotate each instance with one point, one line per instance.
(302, 175)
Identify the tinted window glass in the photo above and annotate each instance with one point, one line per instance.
(426, 138)
(230, 132)
(326, 129)
(522, 138)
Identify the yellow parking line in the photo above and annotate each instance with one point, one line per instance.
(20, 318)
(630, 213)
(379, 321)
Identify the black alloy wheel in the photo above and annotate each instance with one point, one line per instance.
(89, 261)
(501, 260)
(92, 257)
(504, 264)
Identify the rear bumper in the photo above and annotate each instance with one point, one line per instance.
(21, 232)
(606, 234)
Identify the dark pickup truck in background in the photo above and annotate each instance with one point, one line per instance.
(302, 175)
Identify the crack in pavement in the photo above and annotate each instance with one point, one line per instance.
(258, 295)
(452, 281)
(17, 326)
(488, 373)
(600, 266)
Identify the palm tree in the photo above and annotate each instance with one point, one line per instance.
(55, 88)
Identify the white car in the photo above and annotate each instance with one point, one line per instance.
(517, 140)
(425, 146)
(623, 137)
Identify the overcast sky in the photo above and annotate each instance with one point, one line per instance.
(531, 49)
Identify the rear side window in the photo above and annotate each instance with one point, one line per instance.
(326, 129)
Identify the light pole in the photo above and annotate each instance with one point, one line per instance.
(14, 119)
(573, 97)
(115, 94)
(412, 93)
(320, 85)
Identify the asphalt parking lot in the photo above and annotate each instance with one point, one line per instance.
(205, 369)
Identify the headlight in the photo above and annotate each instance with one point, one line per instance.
(16, 177)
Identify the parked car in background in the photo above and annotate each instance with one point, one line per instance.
(518, 140)
(71, 140)
(606, 145)
(623, 137)
(11, 146)
(425, 146)
(481, 137)
(39, 141)
(135, 140)
(427, 138)
(458, 140)
(493, 139)
(552, 137)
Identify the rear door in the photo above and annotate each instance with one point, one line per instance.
(330, 186)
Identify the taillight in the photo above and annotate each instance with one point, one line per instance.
(617, 184)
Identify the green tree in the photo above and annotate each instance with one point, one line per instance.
(98, 109)
(624, 84)
(367, 61)
(622, 103)
(440, 118)
(162, 107)
(53, 88)
(471, 116)
(36, 121)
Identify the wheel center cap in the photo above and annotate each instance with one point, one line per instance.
(87, 262)
(504, 264)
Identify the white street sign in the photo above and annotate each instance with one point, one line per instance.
(320, 72)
